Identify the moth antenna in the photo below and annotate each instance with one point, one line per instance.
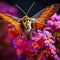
(30, 7)
(21, 9)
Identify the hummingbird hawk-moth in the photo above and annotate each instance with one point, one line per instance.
(36, 21)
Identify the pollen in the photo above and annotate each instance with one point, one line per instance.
(34, 44)
(51, 47)
(18, 51)
(19, 41)
(53, 21)
(38, 36)
(48, 39)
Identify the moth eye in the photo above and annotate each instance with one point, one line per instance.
(24, 20)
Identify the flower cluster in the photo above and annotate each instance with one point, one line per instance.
(44, 39)
(53, 25)
(19, 44)
(40, 40)
(54, 21)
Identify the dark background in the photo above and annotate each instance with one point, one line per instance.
(25, 4)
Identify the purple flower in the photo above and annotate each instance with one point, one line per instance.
(47, 28)
(39, 31)
(51, 22)
(56, 16)
(47, 44)
(47, 33)
(19, 42)
(48, 40)
(34, 46)
(54, 21)
(56, 57)
(38, 35)
(53, 49)
(53, 16)
(57, 24)
(19, 52)
(36, 38)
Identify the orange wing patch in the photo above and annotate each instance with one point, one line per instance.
(48, 11)
(11, 20)
(40, 25)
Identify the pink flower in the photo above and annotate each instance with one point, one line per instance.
(34, 46)
(19, 52)
(19, 42)
(54, 21)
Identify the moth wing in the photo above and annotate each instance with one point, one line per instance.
(10, 19)
(14, 17)
(44, 14)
